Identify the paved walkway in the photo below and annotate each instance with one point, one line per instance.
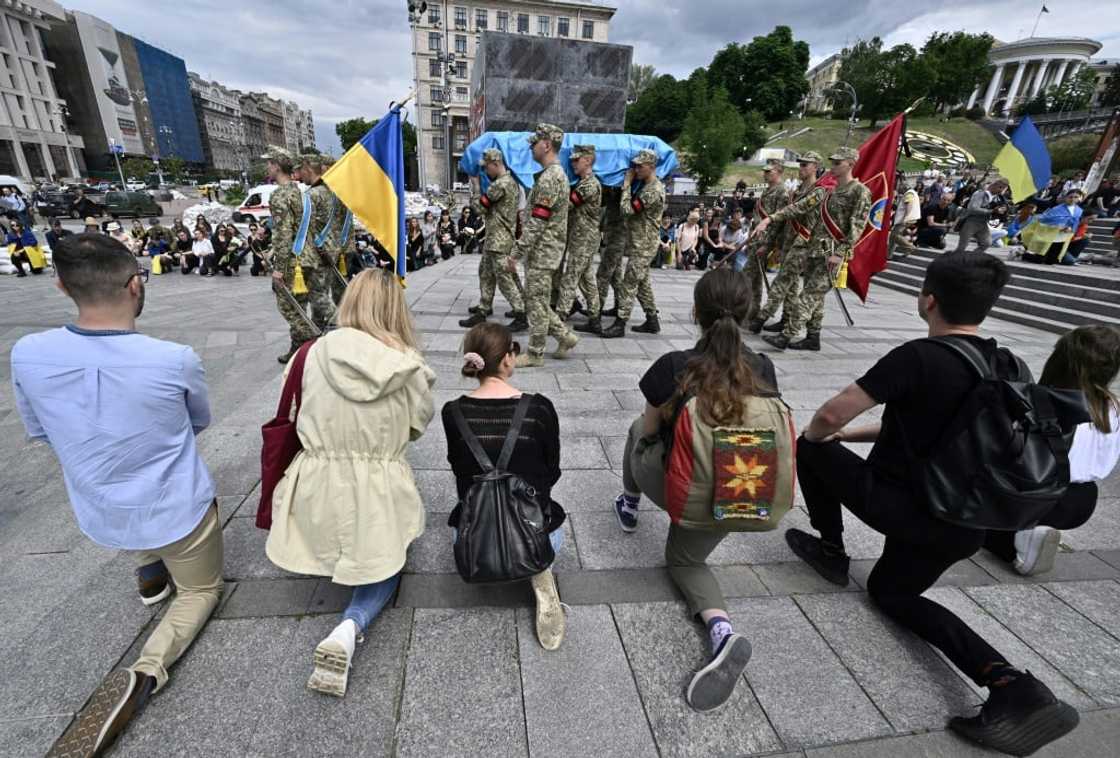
(453, 670)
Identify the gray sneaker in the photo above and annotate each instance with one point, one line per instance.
(712, 685)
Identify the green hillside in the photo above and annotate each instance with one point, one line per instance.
(825, 134)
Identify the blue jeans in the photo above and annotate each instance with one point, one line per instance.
(368, 600)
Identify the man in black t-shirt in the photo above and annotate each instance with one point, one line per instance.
(935, 222)
(922, 384)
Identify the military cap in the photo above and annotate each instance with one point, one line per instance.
(645, 157)
(548, 132)
(812, 156)
(492, 155)
(844, 154)
(277, 153)
(580, 151)
(774, 163)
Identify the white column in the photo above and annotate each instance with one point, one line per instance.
(993, 88)
(1076, 68)
(1011, 93)
(1039, 76)
(972, 98)
(1061, 72)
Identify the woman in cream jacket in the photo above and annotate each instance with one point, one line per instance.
(348, 506)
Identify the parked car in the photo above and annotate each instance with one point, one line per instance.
(59, 204)
(135, 185)
(138, 204)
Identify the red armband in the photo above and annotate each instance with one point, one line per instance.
(576, 198)
(637, 205)
(542, 212)
(485, 201)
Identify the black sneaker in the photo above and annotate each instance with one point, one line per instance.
(627, 516)
(118, 698)
(157, 586)
(712, 685)
(1018, 717)
(808, 548)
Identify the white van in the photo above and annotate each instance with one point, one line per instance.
(255, 207)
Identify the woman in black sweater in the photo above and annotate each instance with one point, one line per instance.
(490, 351)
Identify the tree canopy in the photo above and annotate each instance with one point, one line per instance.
(1111, 94)
(640, 79)
(660, 110)
(958, 61)
(766, 75)
(713, 135)
(886, 81)
(353, 129)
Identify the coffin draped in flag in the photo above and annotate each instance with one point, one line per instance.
(369, 180)
(875, 169)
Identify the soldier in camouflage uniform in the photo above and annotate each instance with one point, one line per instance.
(498, 208)
(542, 246)
(340, 244)
(610, 271)
(583, 239)
(752, 260)
(286, 206)
(841, 215)
(643, 199)
(319, 253)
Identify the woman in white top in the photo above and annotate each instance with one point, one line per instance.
(1088, 359)
(688, 240)
(204, 252)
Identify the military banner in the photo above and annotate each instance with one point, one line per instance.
(875, 169)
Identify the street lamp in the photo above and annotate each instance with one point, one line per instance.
(168, 132)
(844, 86)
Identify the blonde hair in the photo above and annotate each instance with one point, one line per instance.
(374, 303)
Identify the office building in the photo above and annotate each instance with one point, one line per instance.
(168, 104)
(821, 77)
(221, 123)
(444, 44)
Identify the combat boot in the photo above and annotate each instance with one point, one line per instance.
(513, 314)
(617, 329)
(478, 318)
(779, 341)
(576, 308)
(519, 323)
(650, 326)
(566, 344)
(812, 341)
(291, 351)
(611, 312)
(593, 326)
(528, 360)
(777, 327)
(479, 309)
(755, 325)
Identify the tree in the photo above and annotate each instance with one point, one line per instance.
(958, 61)
(1111, 94)
(352, 130)
(713, 135)
(767, 75)
(660, 110)
(1075, 93)
(136, 168)
(754, 133)
(886, 81)
(172, 167)
(640, 79)
(308, 150)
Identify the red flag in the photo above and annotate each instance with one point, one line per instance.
(875, 169)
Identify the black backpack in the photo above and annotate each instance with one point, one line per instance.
(503, 535)
(1003, 461)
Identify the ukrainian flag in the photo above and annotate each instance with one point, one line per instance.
(369, 180)
(1024, 161)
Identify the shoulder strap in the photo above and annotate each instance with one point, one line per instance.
(321, 237)
(514, 432)
(304, 224)
(469, 437)
(293, 385)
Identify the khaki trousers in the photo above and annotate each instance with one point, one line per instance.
(195, 564)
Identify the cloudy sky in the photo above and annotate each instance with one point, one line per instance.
(343, 58)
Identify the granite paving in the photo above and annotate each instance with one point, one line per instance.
(455, 670)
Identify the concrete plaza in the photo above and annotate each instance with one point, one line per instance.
(453, 670)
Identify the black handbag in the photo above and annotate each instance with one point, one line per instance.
(503, 535)
(1003, 461)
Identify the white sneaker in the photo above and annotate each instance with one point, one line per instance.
(332, 660)
(1035, 550)
(550, 611)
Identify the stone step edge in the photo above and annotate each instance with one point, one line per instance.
(297, 596)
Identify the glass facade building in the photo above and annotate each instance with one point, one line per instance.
(169, 100)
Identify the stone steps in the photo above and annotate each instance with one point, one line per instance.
(1049, 298)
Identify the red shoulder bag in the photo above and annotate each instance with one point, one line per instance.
(281, 442)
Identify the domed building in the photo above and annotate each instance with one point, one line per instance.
(1026, 67)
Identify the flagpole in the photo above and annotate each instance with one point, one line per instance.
(1040, 12)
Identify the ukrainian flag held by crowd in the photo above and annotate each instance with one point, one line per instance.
(1024, 161)
(369, 180)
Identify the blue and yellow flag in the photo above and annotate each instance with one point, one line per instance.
(1024, 161)
(369, 180)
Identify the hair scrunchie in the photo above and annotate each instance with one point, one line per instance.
(474, 360)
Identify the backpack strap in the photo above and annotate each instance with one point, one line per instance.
(971, 354)
(1047, 418)
(469, 437)
(514, 432)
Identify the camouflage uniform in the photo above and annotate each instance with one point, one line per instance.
(318, 259)
(498, 207)
(339, 248)
(286, 206)
(848, 206)
(542, 246)
(785, 285)
(773, 199)
(583, 241)
(610, 271)
(642, 214)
